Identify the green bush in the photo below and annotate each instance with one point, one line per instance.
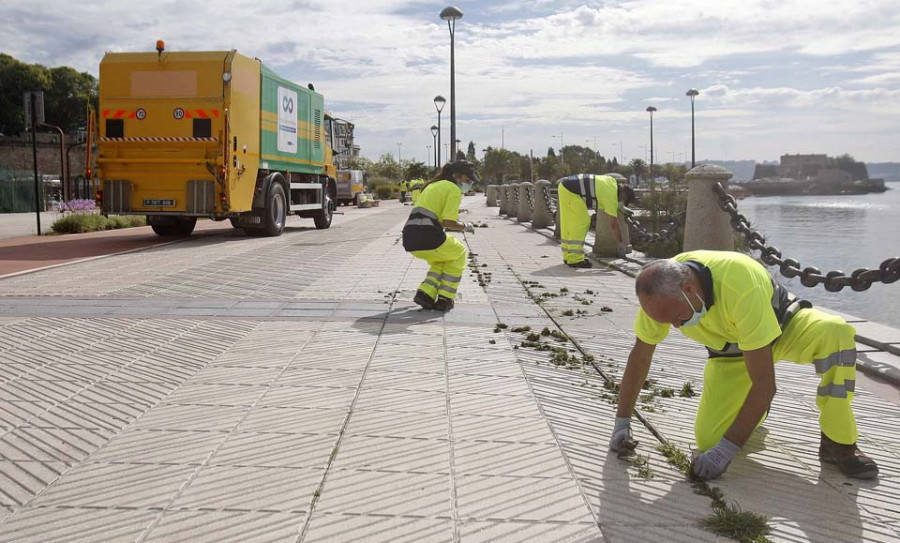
(385, 190)
(77, 223)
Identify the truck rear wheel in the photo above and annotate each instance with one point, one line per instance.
(323, 217)
(175, 226)
(276, 212)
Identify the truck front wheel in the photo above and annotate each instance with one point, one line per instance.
(276, 211)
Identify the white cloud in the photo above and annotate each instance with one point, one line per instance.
(534, 68)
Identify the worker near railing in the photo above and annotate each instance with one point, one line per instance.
(434, 211)
(577, 195)
(404, 188)
(415, 188)
(728, 302)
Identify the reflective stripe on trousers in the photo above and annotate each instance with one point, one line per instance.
(574, 223)
(446, 268)
(823, 341)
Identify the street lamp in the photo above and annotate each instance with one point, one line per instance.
(429, 155)
(562, 157)
(692, 94)
(456, 147)
(439, 102)
(451, 14)
(399, 156)
(650, 110)
(621, 158)
(434, 134)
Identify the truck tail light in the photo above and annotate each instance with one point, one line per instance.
(223, 198)
(222, 172)
(98, 197)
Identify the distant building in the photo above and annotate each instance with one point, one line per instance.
(812, 168)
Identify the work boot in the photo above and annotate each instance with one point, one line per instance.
(582, 264)
(851, 461)
(443, 304)
(423, 299)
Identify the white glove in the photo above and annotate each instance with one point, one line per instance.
(625, 210)
(714, 462)
(470, 228)
(621, 441)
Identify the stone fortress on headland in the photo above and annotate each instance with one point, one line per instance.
(812, 175)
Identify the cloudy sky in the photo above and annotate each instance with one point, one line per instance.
(775, 76)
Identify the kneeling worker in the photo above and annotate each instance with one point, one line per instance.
(436, 209)
(578, 194)
(728, 302)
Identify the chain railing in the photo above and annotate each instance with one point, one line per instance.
(834, 281)
(641, 235)
(551, 201)
(529, 196)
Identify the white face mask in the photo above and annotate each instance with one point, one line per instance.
(465, 187)
(695, 318)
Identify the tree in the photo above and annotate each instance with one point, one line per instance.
(638, 168)
(417, 170)
(386, 167)
(470, 153)
(66, 93)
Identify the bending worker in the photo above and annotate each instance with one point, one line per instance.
(578, 194)
(415, 188)
(436, 209)
(728, 302)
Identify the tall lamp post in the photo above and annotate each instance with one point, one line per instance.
(692, 94)
(562, 157)
(439, 102)
(430, 155)
(451, 14)
(434, 134)
(650, 110)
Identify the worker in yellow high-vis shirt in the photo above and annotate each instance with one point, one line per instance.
(404, 188)
(437, 209)
(415, 188)
(728, 302)
(578, 194)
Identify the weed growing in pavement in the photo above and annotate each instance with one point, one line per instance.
(727, 519)
(559, 336)
(521, 329)
(642, 464)
(564, 290)
(687, 391)
(568, 313)
(743, 526)
(533, 336)
(545, 331)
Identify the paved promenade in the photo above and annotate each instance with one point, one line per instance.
(227, 388)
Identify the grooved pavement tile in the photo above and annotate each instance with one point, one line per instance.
(518, 531)
(398, 424)
(386, 493)
(292, 420)
(20, 481)
(410, 401)
(75, 525)
(393, 454)
(159, 447)
(511, 459)
(216, 527)
(521, 498)
(501, 429)
(116, 485)
(276, 450)
(245, 488)
(342, 528)
(192, 417)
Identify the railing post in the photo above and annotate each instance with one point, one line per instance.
(492, 195)
(514, 197)
(526, 194)
(706, 225)
(504, 199)
(604, 241)
(542, 217)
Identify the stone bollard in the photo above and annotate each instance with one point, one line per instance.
(503, 190)
(526, 194)
(541, 217)
(706, 225)
(492, 195)
(513, 200)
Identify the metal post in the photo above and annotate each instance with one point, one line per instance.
(452, 25)
(37, 187)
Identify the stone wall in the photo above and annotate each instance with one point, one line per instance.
(16, 154)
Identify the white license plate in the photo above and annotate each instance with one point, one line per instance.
(159, 203)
